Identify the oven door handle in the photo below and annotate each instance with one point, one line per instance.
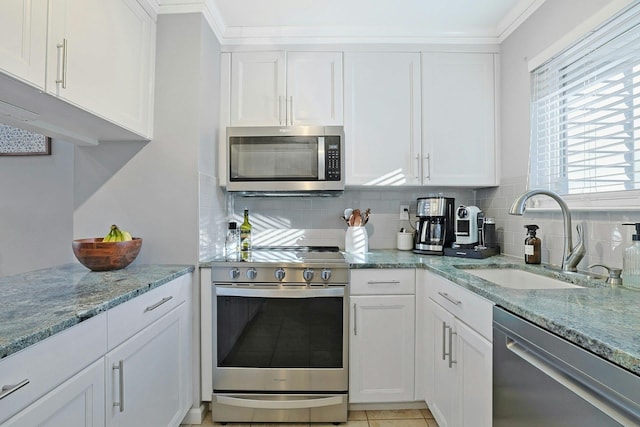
(280, 293)
(280, 404)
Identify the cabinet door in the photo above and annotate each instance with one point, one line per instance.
(458, 119)
(381, 367)
(78, 402)
(475, 378)
(101, 56)
(23, 40)
(445, 366)
(314, 88)
(258, 89)
(382, 118)
(148, 375)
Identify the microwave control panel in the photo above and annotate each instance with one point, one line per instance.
(333, 161)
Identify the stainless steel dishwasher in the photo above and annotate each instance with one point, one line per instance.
(540, 379)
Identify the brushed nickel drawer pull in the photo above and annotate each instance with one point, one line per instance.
(64, 48)
(449, 298)
(158, 304)
(383, 282)
(8, 389)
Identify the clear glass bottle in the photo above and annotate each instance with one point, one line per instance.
(232, 243)
(631, 261)
(245, 237)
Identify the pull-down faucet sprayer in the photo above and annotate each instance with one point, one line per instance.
(571, 255)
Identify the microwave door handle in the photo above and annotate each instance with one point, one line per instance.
(321, 159)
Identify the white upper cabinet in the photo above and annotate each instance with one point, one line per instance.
(382, 118)
(23, 37)
(459, 119)
(286, 88)
(101, 57)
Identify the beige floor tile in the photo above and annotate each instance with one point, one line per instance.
(394, 414)
(432, 423)
(426, 413)
(357, 415)
(275, 425)
(399, 423)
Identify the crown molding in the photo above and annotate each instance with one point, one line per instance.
(237, 36)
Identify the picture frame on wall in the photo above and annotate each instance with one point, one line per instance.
(21, 142)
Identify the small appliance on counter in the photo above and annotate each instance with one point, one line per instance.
(475, 235)
(434, 228)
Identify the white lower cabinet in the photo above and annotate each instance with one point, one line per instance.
(147, 375)
(458, 354)
(130, 366)
(78, 402)
(381, 341)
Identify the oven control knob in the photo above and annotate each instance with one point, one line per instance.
(279, 273)
(326, 274)
(234, 273)
(307, 274)
(252, 273)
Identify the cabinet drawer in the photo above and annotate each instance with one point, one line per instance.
(472, 309)
(127, 319)
(50, 362)
(383, 282)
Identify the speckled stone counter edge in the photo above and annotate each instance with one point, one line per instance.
(69, 321)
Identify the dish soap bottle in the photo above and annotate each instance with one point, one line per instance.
(532, 244)
(245, 237)
(631, 261)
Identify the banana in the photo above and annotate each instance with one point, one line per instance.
(117, 235)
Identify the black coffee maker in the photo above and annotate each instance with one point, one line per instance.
(435, 225)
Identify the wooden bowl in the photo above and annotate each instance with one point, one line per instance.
(97, 255)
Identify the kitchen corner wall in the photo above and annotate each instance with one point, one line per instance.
(605, 237)
(317, 220)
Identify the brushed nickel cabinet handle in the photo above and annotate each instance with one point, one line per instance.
(63, 80)
(444, 340)
(449, 298)
(451, 334)
(158, 304)
(120, 368)
(6, 390)
(355, 320)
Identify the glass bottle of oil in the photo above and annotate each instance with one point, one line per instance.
(532, 246)
(245, 237)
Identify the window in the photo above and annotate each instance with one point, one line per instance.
(586, 112)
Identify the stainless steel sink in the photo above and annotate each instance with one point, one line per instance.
(515, 278)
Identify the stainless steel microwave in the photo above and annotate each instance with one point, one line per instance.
(291, 159)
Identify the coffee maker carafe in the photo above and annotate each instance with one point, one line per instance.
(435, 226)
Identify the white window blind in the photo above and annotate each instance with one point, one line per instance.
(586, 112)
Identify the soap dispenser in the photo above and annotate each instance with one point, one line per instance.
(532, 246)
(631, 261)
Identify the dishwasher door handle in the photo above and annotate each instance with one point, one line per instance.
(565, 379)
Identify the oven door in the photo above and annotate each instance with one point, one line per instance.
(273, 338)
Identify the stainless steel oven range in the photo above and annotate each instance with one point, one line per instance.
(280, 337)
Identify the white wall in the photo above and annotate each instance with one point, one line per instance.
(549, 23)
(36, 210)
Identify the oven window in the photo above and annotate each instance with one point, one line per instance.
(279, 332)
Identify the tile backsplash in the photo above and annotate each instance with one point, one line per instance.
(318, 220)
(605, 236)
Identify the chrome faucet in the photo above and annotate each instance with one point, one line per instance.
(572, 255)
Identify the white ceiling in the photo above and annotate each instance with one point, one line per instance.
(318, 21)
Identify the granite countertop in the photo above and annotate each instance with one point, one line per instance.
(40, 303)
(602, 319)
